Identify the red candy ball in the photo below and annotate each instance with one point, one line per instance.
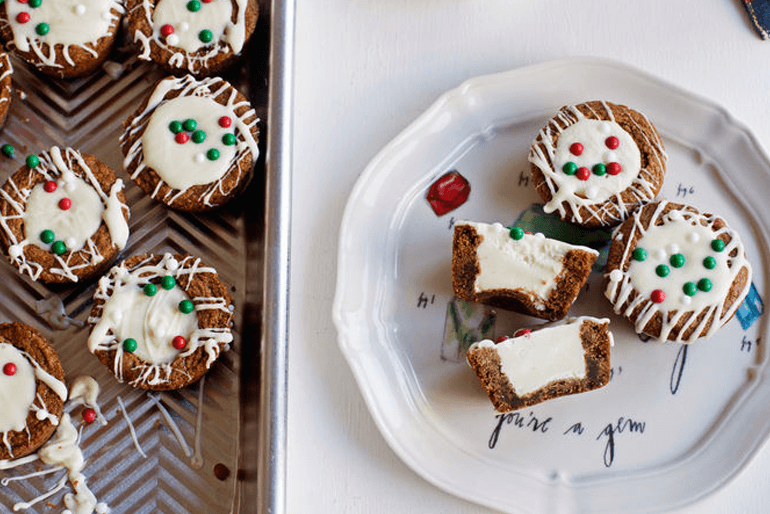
(613, 168)
(181, 138)
(89, 415)
(22, 17)
(225, 122)
(65, 203)
(501, 339)
(179, 342)
(583, 173)
(23, 1)
(658, 296)
(612, 142)
(49, 186)
(9, 369)
(166, 30)
(522, 332)
(576, 148)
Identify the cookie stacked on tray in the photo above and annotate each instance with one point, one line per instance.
(676, 274)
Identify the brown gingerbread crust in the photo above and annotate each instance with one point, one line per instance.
(627, 234)
(233, 184)
(596, 340)
(138, 21)
(29, 340)
(85, 61)
(465, 267)
(641, 129)
(6, 71)
(186, 370)
(26, 178)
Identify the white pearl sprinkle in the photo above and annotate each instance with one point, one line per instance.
(80, 9)
(70, 242)
(199, 157)
(693, 237)
(172, 264)
(610, 157)
(686, 300)
(660, 254)
(674, 215)
(68, 176)
(673, 248)
(184, 26)
(69, 186)
(592, 192)
(172, 39)
(40, 415)
(540, 235)
(16, 251)
(616, 275)
(605, 128)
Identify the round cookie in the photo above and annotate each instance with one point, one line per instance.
(675, 273)
(201, 37)
(160, 321)
(192, 144)
(32, 390)
(62, 38)
(6, 75)
(596, 162)
(63, 216)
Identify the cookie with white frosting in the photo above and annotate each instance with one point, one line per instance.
(201, 37)
(63, 216)
(6, 75)
(675, 273)
(62, 38)
(595, 163)
(508, 268)
(192, 144)
(159, 322)
(32, 390)
(568, 357)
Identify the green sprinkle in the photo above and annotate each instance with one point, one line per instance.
(212, 154)
(677, 260)
(47, 236)
(58, 247)
(167, 282)
(186, 306)
(516, 233)
(570, 168)
(150, 289)
(129, 345)
(193, 6)
(175, 127)
(7, 150)
(189, 124)
(690, 288)
(599, 169)
(42, 29)
(705, 285)
(709, 263)
(35, 3)
(639, 254)
(662, 270)
(32, 161)
(198, 136)
(717, 245)
(228, 139)
(205, 36)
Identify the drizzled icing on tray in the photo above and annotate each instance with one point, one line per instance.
(50, 26)
(587, 162)
(61, 213)
(199, 128)
(154, 325)
(681, 265)
(193, 31)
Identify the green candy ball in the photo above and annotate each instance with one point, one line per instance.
(193, 6)
(709, 263)
(639, 254)
(212, 154)
(7, 150)
(717, 245)
(35, 3)
(33, 161)
(228, 139)
(662, 270)
(175, 127)
(129, 345)
(47, 236)
(599, 169)
(189, 124)
(198, 136)
(150, 289)
(690, 288)
(205, 36)
(704, 285)
(570, 168)
(167, 282)
(42, 29)
(677, 260)
(58, 247)
(516, 233)
(186, 306)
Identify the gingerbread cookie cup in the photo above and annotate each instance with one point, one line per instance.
(63, 216)
(61, 38)
(201, 37)
(160, 321)
(595, 163)
(6, 75)
(192, 144)
(675, 273)
(32, 390)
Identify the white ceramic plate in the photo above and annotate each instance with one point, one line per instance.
(669, 428)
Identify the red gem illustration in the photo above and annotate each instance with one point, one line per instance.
(449, 192)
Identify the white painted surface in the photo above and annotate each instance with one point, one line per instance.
(364, 70)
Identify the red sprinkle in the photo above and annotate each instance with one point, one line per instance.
(206, 1)
(576, 148)
(522, 332)
(23, 1)
(65, 204)
(89, 415)
(612, 142)
(583, 173)
(225, 121)
(22, 17)
(49, 186)
(166, 30)
(613, 168)
(9, 369)
(181, 138)
(179, 342)
(501, 339)
(658, 296)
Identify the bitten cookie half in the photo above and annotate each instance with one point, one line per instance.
(567, 357)
(63, 216)
(160, 321)
(676, 274)
(595, 163)
(514, 270)
(32, 390)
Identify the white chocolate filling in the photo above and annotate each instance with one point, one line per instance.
(17, 392)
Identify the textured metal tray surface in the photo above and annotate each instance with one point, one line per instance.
(217, 417)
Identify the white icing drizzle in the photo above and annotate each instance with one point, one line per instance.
(84, 390)
(197, 460)
(187, 86)
(68, 27)
(7, 480)
(171, 424)
(568, 190)
(130, 427)
(121, 280)
(186, 51)
(6, 69)
(57, 165)
(629, 288)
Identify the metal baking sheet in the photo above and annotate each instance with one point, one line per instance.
(231, 454)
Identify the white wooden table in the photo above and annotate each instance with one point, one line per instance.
(364, 70)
